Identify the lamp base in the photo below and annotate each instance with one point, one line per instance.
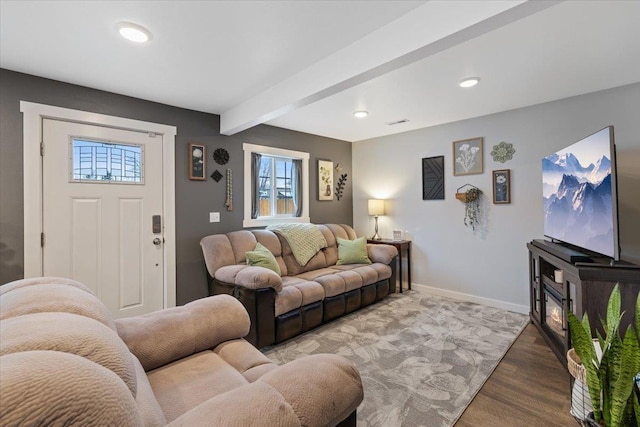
(376, 236)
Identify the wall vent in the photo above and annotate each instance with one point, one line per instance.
(397, 122)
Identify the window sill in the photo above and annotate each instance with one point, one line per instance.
(264, 222)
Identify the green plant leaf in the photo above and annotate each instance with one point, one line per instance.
(637, 320)
(629, 367)
(614, 356)
(583, 345)
(636, 409)
(613, 311)
(585, 324)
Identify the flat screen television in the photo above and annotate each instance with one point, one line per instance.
(580, 197)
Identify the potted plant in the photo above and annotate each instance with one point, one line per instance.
(610, 376)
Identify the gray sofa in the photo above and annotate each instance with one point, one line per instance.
(302, 297)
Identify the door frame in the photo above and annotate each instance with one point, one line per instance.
(33, 115)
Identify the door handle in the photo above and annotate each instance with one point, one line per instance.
(157, 241)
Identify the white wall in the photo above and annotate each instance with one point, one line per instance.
(490, 265)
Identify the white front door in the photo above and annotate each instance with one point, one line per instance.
(101, 189)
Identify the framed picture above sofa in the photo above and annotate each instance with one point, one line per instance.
(325, 180)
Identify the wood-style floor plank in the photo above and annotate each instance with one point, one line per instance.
(529, 387)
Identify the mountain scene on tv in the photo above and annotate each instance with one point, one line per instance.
(577, 194)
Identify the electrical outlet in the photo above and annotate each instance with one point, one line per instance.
(214, 216)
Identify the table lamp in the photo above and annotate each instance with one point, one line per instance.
(376, 208)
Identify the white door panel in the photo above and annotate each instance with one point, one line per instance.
(99, 231)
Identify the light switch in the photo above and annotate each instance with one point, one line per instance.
(214, 216)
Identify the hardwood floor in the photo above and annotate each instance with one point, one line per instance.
(528, 388)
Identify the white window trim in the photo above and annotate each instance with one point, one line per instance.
(33, 114)
(281, 152)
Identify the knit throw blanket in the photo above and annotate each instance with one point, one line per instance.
(305, 240)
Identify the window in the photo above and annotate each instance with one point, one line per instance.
(106, 162)
(276, 186)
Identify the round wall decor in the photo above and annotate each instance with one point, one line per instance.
(502, 152)
(221, 156)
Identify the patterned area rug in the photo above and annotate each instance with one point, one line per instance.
(422, 358)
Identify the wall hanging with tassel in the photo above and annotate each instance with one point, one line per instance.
(229, 202)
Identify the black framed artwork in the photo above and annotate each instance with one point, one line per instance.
(433, 178)
(501, 186)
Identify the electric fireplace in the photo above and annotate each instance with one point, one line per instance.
(554, 316)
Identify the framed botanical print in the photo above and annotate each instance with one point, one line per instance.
(197, 162)
(467, 156)
(501, 186)
(325, 180)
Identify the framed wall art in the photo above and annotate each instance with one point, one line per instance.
(325, 180)
(197, 162)
(501, 186)
(433, 178)
(467, 156)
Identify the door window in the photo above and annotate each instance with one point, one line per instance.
(106, 162)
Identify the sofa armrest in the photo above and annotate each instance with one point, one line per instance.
(254, 404)
(322, 389)
(250, 277)
(167, 335)
(381, 253)
(318, 390)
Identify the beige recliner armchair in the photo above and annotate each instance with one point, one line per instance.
(65, 361)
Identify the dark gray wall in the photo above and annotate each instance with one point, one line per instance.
(194, 199)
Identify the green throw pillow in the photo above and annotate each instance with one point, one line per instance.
(352, 251)
(262, 257)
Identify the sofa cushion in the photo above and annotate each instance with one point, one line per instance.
(370, 273)
(352, 251)
(289, 298)
(260, 256)
(332, 284)
(43, 281)
(150, 411)
(70, 333)
(244, 357)
(352, 280)
(186, 383)
(46, 297)
(241, 242)
(314, 274)
(57, 388)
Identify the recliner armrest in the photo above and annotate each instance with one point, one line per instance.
(164, 336)
(250, 277)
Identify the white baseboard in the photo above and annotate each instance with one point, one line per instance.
(524, 309)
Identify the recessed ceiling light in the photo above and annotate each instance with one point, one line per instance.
(361, 114)
(134, 32)
(469, 82)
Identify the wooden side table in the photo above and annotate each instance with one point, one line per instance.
(400, 245)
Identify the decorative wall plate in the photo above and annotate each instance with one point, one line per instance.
(221, 156)
(216, 176)
(502, 152)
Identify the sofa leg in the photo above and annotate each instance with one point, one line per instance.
(350, 421)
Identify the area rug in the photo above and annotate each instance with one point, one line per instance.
(422, 358)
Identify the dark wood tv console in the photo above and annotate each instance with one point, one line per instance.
(585, 288)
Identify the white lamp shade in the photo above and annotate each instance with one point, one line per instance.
(376, 207)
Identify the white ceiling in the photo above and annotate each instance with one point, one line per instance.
(307, 65)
